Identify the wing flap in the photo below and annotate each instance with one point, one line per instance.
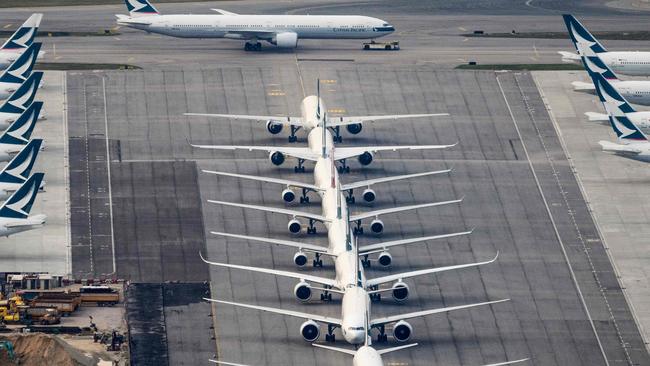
(349, 152)
(297, 152)
(369, 182)
(388, 244)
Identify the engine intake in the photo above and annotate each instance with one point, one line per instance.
(369, 195)
(288, 195)
(385, 259)
(365, 158)
(294, 226)
(273, 127)
(276, 157)
(402, 331)
(354, 128)
(310, 331)
(377, 226)
(300, 259)
(302, 291)
(285, 40)
(400, 291)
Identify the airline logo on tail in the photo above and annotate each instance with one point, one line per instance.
(19, 168)
(20, 203)
(24, 36)
(617, 108)
(20, 131)
(23, 96)
(580, 36)
(20, 69)
(595, 65)
(140, 7)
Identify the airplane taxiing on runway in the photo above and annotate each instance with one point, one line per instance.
(283, 31)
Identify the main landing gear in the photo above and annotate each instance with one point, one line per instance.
(344, 168)
(292, 136)
(337, 134)
(253, 46)
(382, 337)
(300, 168)
(329, 337)
(318, 262)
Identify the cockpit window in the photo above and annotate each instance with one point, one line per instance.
(355, 328)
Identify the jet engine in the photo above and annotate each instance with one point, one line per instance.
(310, 331)
(354, 128)
(294, 226)
(385, 259)
(402, 331)
(302, 291)
(365, 158)
(400, 291)
(285, 40)
(300, 258)
(273, 127)
(369, 195)
(276, 157)
(288, 195)
(377, 226)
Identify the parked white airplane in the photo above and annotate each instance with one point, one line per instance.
(16, 74)
(312, 114)
(635, 91)
(634, 143)
(12, 108)
(318, 141)
(14, 212)
(355, 310)
(622, 62)
(14, 174)
(20, 41)
(18, 134)
(281, 30)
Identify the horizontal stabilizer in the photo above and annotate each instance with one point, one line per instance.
(597, 117)
(584, 87)
(293, 244)
(614, 147)
(224, 12)
(569, 57)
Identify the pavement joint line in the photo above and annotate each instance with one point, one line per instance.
(90, 224)
(548, 211)
(598, 228)
(108, 169)
(302, 84)
(66, 173)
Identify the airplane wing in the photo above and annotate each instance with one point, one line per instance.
(422, 272)
(298, 276)
(343, 121)
(369, 182)
(294, 244)
(251, 34)
(294, 213)
(286, 120)
(349, 152)
(610, 146)
(508, 363)
(416, 314)
(224, 12)
(388, 244)
(295, 314)
(597, 117)
(226, 363)
(267, 180)
(385, 211)
(297, 152)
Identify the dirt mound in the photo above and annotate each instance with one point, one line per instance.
(41, 350)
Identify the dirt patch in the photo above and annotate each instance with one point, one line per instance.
(42, 350)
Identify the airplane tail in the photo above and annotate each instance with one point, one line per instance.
(20, 167)
(21, 130)
(23, 96)
(20, 202)
(24, 36)
(20, 69)
(617, 108)
(595, 65)
(581, 37)
(139, 8)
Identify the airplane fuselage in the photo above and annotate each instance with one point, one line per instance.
(264, 27)
(367, 356)
(353, 314)
(621, 62)
(634, 91)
